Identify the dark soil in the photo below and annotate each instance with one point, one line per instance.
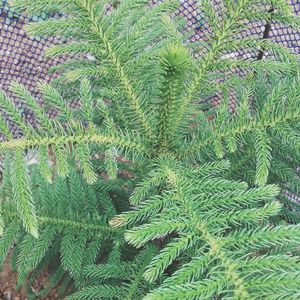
(8, 286)
(8, 282)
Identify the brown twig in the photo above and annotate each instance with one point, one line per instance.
(266, 33)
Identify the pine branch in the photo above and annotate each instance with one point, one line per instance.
(22, 193)
(219, 37)
(59, 222)
(263, 156)
(132, 97)
(142, 152)
(79, 137)
(249, 126)
(173, 63)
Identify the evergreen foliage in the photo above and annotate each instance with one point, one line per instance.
(148, 191)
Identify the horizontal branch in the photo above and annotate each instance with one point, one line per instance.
(193, 148)
(65, 223)
(75, 224)
(96, 138)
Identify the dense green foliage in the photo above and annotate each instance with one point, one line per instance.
(148, 191)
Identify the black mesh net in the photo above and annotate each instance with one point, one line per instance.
(22, 57)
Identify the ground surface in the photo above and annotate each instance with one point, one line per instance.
(8, 282)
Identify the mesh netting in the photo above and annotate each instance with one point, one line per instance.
(22, 58)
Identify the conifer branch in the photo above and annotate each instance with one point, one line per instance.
(64, 223)
(80, 137)
(22, 193)
(231, 267)
(249, 126)
(143, 153)
(220, 37)
(132, 97)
